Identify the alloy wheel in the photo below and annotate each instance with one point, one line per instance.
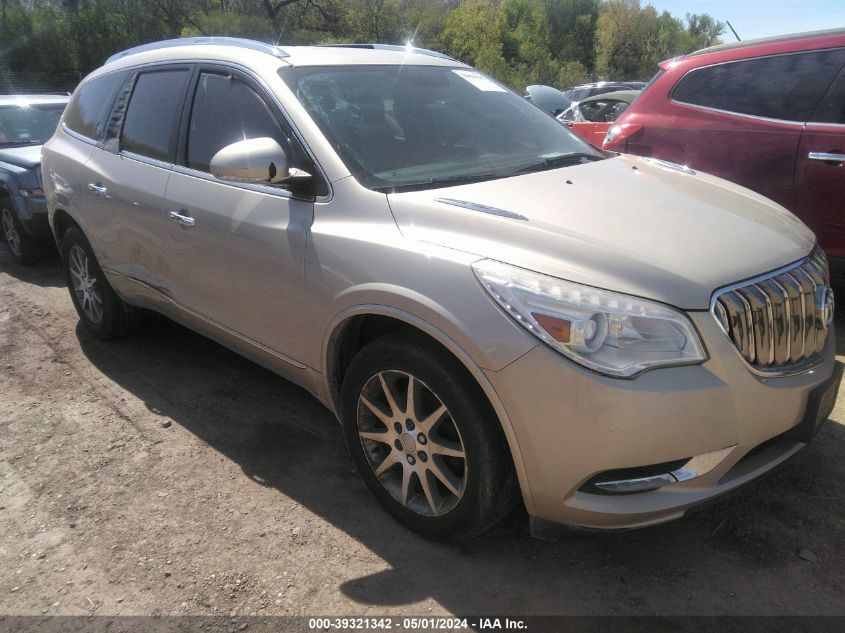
(412, 443)
(85, 285)
(13, 239)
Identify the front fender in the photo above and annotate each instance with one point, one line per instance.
(10, 188)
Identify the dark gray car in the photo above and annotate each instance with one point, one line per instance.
(26, 122)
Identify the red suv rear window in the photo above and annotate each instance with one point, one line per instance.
(786, 87)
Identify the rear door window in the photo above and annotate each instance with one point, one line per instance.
(87, 111)
(152, 117)
(784, 87)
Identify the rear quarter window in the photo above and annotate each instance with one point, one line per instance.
(88, 109)
(785, 87)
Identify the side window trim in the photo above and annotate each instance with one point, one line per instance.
(836, 88)
(130, 85)
(278, 112)
(114, 122)
(742, 114)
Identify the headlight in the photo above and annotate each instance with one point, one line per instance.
(32, 193)
(610, 333)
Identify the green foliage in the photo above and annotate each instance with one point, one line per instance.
(630, 40)
(520, 42)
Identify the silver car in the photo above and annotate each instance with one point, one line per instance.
(493, 309)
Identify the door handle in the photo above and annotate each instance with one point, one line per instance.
(828, 157)
(97, 189)
(180, 218)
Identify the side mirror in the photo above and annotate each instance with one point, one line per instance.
(255, 160)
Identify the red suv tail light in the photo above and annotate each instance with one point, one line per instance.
(617, 134)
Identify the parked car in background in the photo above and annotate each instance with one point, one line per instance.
(579, 93)
(546, 98)
(767, 114)
(488, 303)
(591, 118)
(26, 122)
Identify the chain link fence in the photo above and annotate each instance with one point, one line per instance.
(23, 83)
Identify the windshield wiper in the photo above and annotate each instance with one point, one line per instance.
(433, 183)
(564, 160)
(21, 143)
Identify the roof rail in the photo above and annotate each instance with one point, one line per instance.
(769, 40)
(392, 47)
(239, 42)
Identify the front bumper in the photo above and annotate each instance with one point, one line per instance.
(571, 425)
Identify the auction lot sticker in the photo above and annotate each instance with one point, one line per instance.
(479, 81)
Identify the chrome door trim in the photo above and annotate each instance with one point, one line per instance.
(266, 189)
(796, 124)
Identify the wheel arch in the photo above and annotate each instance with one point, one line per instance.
(61, 221)
(351, 330)
(9, 190)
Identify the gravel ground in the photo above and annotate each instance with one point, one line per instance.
(163, 474)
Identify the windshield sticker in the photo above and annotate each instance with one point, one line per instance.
(479, 81)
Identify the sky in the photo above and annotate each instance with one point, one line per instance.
(761, 18)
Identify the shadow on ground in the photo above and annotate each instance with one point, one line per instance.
(47, 272)
(281, 437)
(738, 555)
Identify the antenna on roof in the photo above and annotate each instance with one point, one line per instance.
(733, 31)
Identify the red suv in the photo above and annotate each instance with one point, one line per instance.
(767, 114)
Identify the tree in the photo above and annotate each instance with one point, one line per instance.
(703, 30)
(374, 20)
(471, 34)
(519, 42)
(620, 33)
(630, 41)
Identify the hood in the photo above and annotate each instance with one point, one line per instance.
(28, 156)
(627, 224)
(547, 98)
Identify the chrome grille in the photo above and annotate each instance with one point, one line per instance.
(779, 322)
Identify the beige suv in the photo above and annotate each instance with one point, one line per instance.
(489, 305)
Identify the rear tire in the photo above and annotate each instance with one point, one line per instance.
(25, 249)
(101, 311)
(439, 465)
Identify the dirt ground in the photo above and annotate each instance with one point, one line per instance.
(163, 474)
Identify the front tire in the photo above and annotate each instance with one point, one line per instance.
(101, 311)
(425, 440)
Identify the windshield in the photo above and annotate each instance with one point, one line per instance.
(415, 127)
(28, 124)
